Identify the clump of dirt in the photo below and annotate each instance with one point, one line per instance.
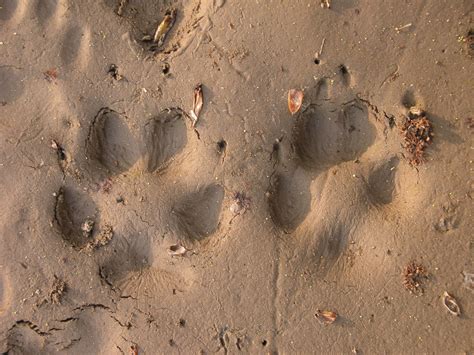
(417, 133)
(105, 236)
(413, 276)
(57, 290)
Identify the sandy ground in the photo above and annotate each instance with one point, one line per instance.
(281, 216)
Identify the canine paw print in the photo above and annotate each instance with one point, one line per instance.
(336, 174)
(126, 194)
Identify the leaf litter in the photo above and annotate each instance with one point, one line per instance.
(197, 104)
(417, 133)
(413, 276)
(326, 317)
(295, 100)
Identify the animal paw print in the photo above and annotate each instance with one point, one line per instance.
(150, 210)
(336, 173)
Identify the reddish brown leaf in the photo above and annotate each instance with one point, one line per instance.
(295, 100)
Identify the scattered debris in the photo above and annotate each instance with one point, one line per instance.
(317, 55)
(326, 317)
(469, 281)
(326, 4)
(413, 276)
(57, 290)
(398, 29)
(417, 133)
(241, 203)
(105, 185)
(59, 150)
(134, 349)
(87, 227)
(105, 236)
(197, 104)
(164, 27)
(114, 73)
(177, 250)
(295, 100)
(451, 304)
(51, 75)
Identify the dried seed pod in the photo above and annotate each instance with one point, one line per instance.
(326, 317)
(164, 27)
(177, 250)
(295, 100)
(451, 304)
(197, 104)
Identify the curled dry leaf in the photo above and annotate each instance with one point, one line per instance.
(164, 27)
(451, 304)
(295, 100)
(326, 317)
(197, 103)
(177, 250)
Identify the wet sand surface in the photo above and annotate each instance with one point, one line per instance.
(128, 227)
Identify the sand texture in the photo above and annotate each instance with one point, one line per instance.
(129, 227)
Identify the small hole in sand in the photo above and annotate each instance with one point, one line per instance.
(317, 61)
(264, 342)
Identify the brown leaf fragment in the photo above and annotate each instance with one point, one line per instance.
(134, 349)
(164, 27)
(326, 317)
(295, 100)
(51, 75)
(197, 104)
(451, 304)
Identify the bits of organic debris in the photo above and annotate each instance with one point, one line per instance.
(241, 203)
(60, 150)
(413, 275)
(177, 250)
(197, 104)
(105, 185)
(451, 304)
(57, 290)
(134, 349)
(51, 75)
(87, 227)
(326, 317)
(105, 236)
(326, 4)
(417, 133)
(114, 73)
(295, 100)
(164, 27)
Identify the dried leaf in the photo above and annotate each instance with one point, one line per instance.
(177, 250)
(197, 104)
(134, 349)
(451, 304)
(295, 100)
(164, 27)
(326, 317)
(51, 75)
